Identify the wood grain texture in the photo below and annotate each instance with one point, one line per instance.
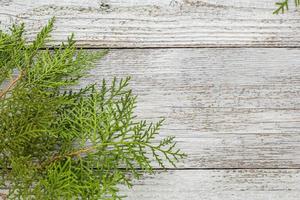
(158, 23)
(254, 184)
(219, 185)
(228, 108)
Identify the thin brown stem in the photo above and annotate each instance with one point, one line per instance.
(11, 85)
(81, 151)
(3, 196)
(71, 154)
(78, 153)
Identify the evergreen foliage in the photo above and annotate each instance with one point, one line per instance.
(59, 143)
(284, 5)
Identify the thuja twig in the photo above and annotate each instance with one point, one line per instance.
(40, 132)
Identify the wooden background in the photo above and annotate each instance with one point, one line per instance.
(224, 73)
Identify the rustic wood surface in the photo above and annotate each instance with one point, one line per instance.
(229, 184)
(159, 23)
(235, 111)
(219, 185)
(228, 108)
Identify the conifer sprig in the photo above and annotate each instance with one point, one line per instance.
(59, 143)
(284, 5)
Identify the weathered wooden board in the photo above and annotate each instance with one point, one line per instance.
(241, 184)
(219, 185)
(228, 108)
(158, 23)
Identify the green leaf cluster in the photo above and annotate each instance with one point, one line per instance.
(61, 143)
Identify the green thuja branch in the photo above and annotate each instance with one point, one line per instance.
(59, 143)
(284, 5)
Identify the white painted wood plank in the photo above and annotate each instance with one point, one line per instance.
(232, 108)
(254, 184)
(158, 23)
(219, 185)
